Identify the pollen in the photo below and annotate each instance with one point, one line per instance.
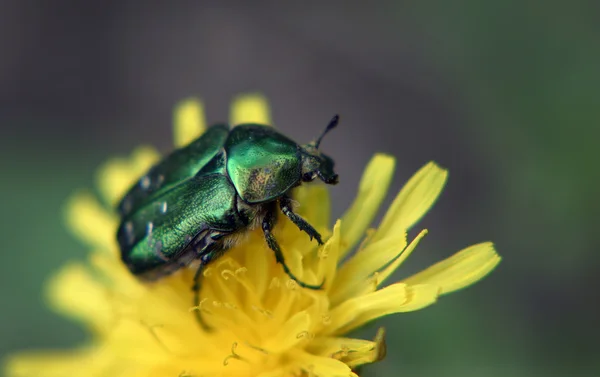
(233, 355)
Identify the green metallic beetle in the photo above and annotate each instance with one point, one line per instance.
(196, 201)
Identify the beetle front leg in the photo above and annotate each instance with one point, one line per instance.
(286, 207)
(267, 226)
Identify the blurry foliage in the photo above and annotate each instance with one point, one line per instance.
(530, 83)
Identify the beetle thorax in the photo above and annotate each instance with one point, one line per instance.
(252, 214)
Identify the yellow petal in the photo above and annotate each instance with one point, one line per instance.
(54, 364)
(380, 345)
(353, 274)
(76, 293)
(371, 192)
(289, 334)
(396, 298)
(117, 175)
(314, 365)
(250, 108)
(189, 122)
(279, 372)
(460, 270)
(115, 275)
(389, 270)
(127, 330)
(90, 222)
(329, 256)
(314, 205)
(414, 200)
(258, 264)
(376, 353)
(334, 346)
(353, 352)
(377, 279)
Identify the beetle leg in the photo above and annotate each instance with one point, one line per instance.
(204, 260)
(267, 226)
(286, 207)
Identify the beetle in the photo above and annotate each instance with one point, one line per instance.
(194, 204)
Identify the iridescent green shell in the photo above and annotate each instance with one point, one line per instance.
(181, 164)
(161, 231)
(188, 203)
(262, 163)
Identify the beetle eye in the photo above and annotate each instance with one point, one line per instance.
(307, 177)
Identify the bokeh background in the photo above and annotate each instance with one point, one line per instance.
(506, 94)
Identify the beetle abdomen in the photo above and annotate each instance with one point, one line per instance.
(178, 166)
(162, 230)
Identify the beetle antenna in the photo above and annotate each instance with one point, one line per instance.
(332, 124)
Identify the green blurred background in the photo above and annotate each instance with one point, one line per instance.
(506, 94)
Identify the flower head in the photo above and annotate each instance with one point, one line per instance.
(263, 323)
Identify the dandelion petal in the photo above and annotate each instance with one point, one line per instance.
(90, 222)
(75, 292)
(118, 175)
(389, 270)
(371, 192)
(290, 333)
(279, 372)
(414, 200)
(319, 365)
(329, 259)
(188, 122)
(460, 270)
(353, 352)
(396, 298)
(352, 275)
(250, 108)
(314, 205)
(330, 345)
(54, 364)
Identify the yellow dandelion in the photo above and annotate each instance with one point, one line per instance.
(263, 323)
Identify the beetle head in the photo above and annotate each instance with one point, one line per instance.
(316, 164)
